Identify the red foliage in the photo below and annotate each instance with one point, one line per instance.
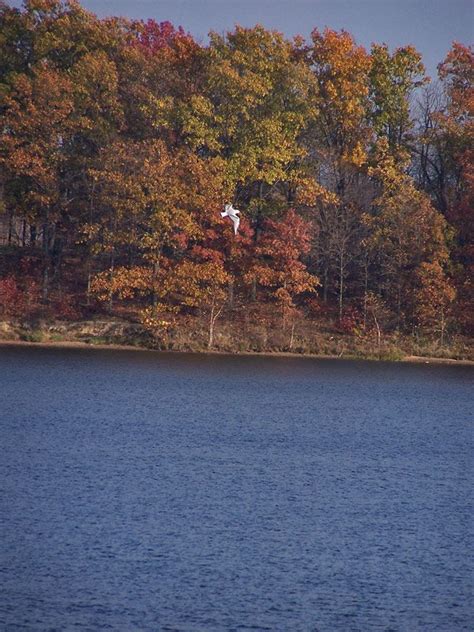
(201, 254)
(279, 267)
(313, 307)
(219, 244)
(18, 300)
(458, 70)
(65, 308)
(155, 37)
(288, 238)
(351, 321)
(180, 240)
(10, 296)
(31, 297)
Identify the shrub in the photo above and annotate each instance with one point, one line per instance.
(11, 297)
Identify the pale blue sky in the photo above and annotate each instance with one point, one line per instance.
(430, 25)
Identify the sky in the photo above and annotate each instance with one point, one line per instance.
(430, 25)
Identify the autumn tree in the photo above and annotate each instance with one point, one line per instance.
(443, 162)
(254, 102)
(393, 80)
(433, 166)
(160, 70)
(152, 199)
(176, 286)
(341, 129)
(37, 126)
(121, 140)
(337, 141)
(279, 267)
(433, 298)
(201, 286)
(60, 106)
(457, 72)
(405, 231)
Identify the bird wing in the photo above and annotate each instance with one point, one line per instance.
(236, 222)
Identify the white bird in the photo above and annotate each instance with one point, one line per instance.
(232, 212)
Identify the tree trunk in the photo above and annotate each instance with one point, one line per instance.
(399, 304)
(379, 335)
(47, 262)
(253, 290)
(366, 284)
(154, 278)
(341, 283)
(57, 265)
(325, 288)
(156, 267)
(212, 320)
(10, 228)
(215, 313)
(45, 289)
(231, 294)
(89, 279)
(111, 278)
(89, 255)
(112, 265)
(292, 336)
(443, 325)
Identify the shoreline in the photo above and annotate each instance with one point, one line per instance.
(76, 344)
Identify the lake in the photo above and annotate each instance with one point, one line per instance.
(148, 491)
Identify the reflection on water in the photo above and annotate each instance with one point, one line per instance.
(145, 491)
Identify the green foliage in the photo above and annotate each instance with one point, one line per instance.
(393, 79)
(32, 336)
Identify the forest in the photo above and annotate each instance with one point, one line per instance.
(121, 141)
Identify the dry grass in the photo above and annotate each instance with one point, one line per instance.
(244, 331)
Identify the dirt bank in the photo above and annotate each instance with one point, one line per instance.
(75, 344)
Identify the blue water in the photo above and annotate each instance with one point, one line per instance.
(146, 491)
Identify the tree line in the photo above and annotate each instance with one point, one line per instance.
(121, 141)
